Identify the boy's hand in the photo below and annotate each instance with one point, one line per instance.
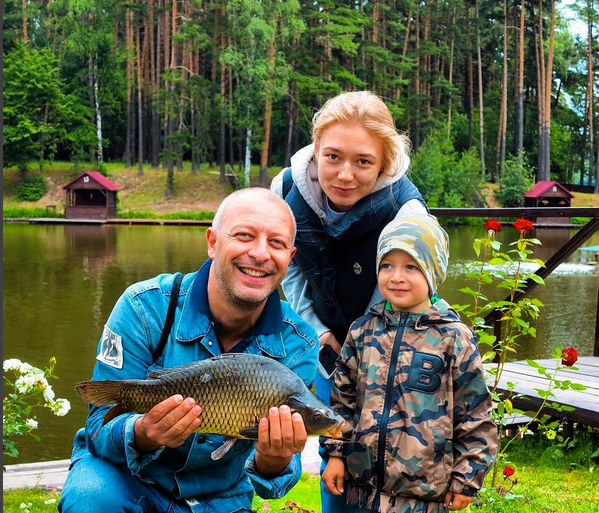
(332, 477)
(455, 501)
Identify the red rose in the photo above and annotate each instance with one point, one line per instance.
(508, 471)
(523, 225)
(569, 356)
(491, 224)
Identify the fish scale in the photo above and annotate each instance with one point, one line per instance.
(234, 390)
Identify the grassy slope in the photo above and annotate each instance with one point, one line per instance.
(192, 193)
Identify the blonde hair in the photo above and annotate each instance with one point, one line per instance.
(370, 111)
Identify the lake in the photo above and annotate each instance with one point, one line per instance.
(61, 282)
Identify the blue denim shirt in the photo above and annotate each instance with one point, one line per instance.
(188, 472)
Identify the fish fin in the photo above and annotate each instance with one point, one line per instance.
(249, 432)
(100, 393)
(114, 412)
(223, 449)
(173, 372)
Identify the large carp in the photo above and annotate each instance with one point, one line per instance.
(234, 390)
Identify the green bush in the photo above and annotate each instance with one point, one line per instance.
(516, 180)
(32, 189)
(444, 177)
(29, 212)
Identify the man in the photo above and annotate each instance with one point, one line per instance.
(156, 461)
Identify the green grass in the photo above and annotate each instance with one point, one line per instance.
(147, 214)
(12, 500)
(30, 212)
(547, 482)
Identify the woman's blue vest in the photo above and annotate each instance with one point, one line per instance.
(339, 260)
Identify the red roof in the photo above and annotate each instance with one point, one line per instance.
(543, 186)
(98, 177)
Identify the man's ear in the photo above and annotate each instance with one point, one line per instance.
(292, 253)
(211, 242)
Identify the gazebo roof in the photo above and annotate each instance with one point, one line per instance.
(97, 177)
(543, 186)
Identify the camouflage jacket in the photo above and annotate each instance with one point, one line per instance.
(417, 409)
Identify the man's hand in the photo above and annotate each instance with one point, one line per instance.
(455, 501)
(168, 424)
(329, 339)
(333, 474)
(279, 437)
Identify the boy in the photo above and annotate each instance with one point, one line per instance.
(409, 383)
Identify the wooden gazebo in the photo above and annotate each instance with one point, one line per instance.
(90, 196)
(545, 194)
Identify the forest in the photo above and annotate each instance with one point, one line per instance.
(500, 91)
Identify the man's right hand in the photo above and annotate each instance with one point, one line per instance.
(168, 424)
(329, 339)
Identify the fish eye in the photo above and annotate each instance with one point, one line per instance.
(317, 415)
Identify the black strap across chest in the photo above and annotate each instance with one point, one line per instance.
(170, 316)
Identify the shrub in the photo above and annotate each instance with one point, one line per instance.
(444, 177)
(516, 180)
(27, 388)
(32, 189)
(29, 212)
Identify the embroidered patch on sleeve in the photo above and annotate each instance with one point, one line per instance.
(111, 349)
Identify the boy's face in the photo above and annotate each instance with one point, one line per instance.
(402, 282)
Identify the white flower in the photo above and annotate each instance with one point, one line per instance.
(23, 505)
(48, 393)
(41, 381)
(25, 383)
(60, 407)
(25, 367)
(11, 364)
(32, 423)
(50, 501)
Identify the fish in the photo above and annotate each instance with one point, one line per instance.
(235, 390)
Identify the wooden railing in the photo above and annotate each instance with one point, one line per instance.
(577, 240)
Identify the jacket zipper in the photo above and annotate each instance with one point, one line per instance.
(380, 464)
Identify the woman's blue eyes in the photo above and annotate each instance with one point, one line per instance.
(334, 157)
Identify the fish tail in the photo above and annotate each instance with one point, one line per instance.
(100, 393)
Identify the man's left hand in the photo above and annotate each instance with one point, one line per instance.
(280, 436)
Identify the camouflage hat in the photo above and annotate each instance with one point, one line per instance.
(421, 237)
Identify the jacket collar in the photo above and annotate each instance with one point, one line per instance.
(439, 313)
(196, 318)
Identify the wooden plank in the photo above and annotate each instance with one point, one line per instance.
(532, 375)
(526, 379)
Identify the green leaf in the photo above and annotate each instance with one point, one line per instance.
(577, 386)
(537, 279)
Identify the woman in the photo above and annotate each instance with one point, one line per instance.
(343, 189)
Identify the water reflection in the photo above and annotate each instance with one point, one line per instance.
(61, 282)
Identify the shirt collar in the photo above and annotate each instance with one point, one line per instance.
(270, 320)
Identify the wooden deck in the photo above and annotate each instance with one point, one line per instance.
(586, 402)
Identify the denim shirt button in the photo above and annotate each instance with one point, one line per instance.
(210, 342)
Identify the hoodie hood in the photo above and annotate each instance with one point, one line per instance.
(305, 177)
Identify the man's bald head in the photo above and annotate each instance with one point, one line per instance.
(259, 195)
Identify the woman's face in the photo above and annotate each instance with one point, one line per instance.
(349, 162)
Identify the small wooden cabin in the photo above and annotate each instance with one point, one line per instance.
(90, 196)
(548, 193)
